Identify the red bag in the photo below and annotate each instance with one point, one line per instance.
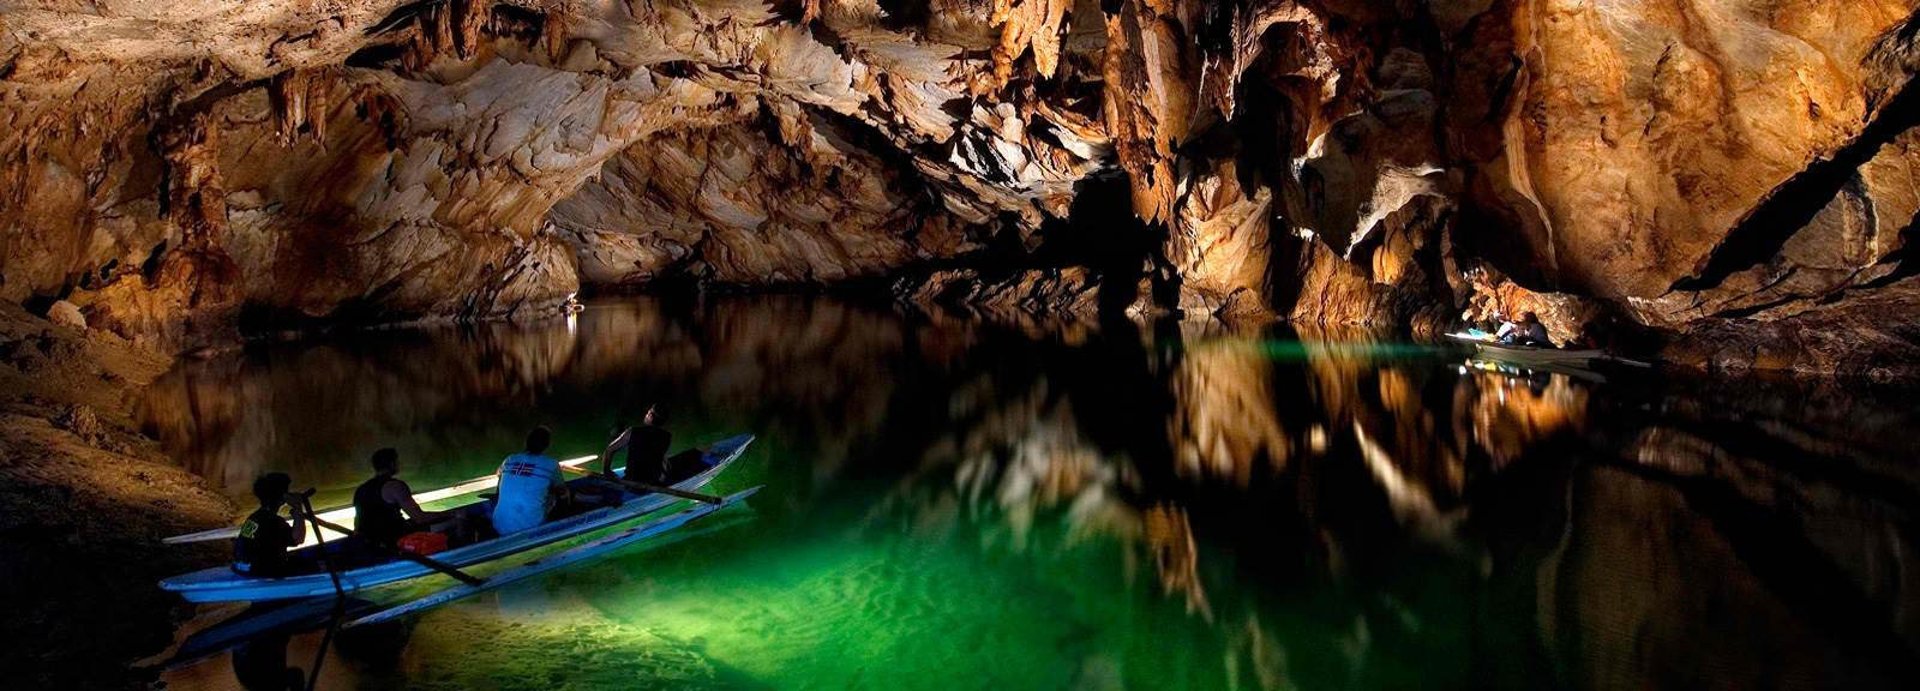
(423, 543)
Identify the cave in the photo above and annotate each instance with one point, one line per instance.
(1278, 327)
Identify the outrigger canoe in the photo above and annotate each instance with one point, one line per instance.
(221, 584)
(300, 615)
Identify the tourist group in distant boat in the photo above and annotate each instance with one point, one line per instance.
(388, 518)
(1526, 331)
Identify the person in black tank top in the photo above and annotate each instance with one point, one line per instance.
(646, 447)
(647, 455)
(378, 503)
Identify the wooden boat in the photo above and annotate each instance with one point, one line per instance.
(592, 550)
(221, 584)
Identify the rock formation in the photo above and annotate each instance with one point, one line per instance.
(1731, 180)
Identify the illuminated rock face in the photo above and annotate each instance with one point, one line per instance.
(1720, 174)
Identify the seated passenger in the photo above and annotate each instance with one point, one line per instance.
(529, 485)
(1528, 331)
(261, 548)
(378, 503)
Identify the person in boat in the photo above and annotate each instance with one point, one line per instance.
(1528, 331)
(379, 502)
(646, 447)
(529, 486)
(261, 548)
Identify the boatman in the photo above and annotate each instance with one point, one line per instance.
(378, 503)
(646, 447)
(530, 484)
(261, 548)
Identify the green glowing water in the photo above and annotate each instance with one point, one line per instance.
(961, 507)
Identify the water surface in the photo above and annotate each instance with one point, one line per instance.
(954, 505)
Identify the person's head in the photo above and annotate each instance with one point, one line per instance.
(539, 439)
(1529, 318)
(271, 489)
(386, 461)
(656, 414)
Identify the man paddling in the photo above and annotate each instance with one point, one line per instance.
(529, 485)
(379, 502)
(261, 548)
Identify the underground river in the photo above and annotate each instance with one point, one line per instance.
(956, 505)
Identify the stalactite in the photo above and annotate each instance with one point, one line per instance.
(451, 28)
(193, 196)
(1148, 101)
(1034, 26)
(287, 95)
(469, 18)
(554, 30)
(299, 100)
(375, 106)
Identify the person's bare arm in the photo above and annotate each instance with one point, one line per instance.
(399, 494)
(618, 443)
(299, 513)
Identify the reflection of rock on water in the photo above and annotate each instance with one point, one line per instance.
(1176, 557)
(1506, 416)
(1315, 508)
(445, 394)
(1224, 423)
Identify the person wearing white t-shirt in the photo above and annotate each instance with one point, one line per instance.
(529, 485)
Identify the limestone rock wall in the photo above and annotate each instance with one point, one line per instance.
(1683, 170)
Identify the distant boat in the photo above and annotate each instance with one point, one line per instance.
(1491, 349)
(221, 584)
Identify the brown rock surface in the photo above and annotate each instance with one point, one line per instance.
(86, 500)
(1742, 166)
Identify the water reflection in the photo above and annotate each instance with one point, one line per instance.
(1331, 511)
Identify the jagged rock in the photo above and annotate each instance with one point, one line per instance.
(1220, 245)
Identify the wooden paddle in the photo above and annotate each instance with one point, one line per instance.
(422, 560)
(646, 486)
